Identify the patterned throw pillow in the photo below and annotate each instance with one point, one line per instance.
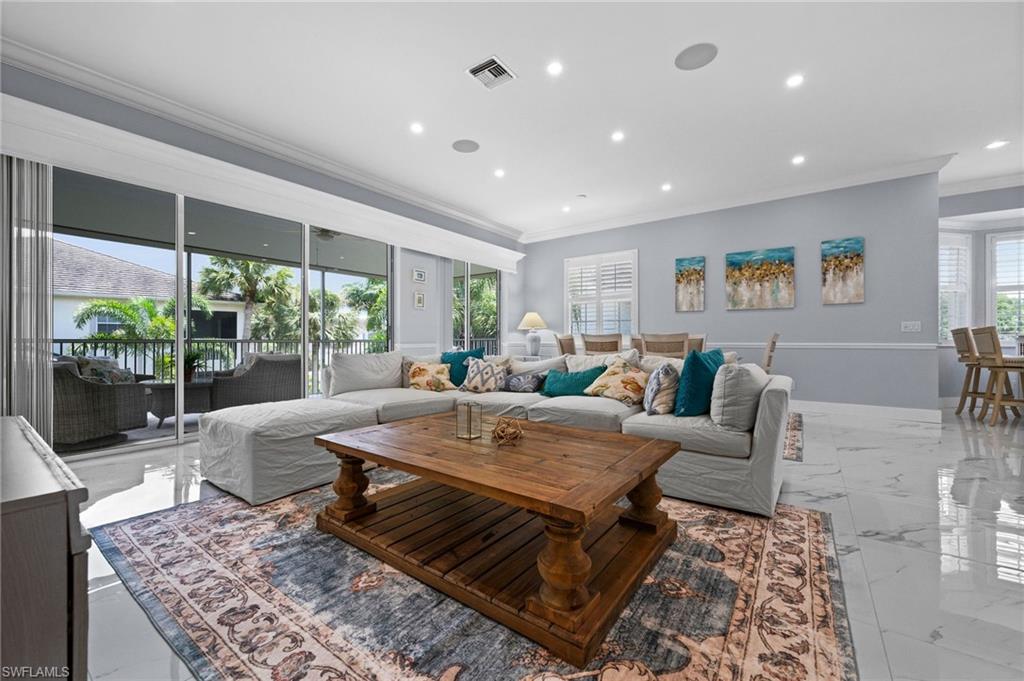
(525, 383)
(483, 376)
(104, 369)
(620, 381)
(433, 377)
(660, 395)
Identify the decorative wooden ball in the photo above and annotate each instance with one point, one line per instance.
(507, 431)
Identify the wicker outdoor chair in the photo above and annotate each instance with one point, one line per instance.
(271, 378)
(87, 415)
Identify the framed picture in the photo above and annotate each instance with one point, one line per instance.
(690, 284)
(419, 276)
(419, 300)
(842, 271)
(760, 280)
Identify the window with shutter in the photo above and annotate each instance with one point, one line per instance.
(954, 283)
(601, 293)
(1006, 284)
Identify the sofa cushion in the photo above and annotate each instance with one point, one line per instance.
(583, 362)
(365, 372)
(394, 404)
(502, 403)
(593, 413)
(483, 376)
(736, 394)
(660, 394)
(693, 433)
(620, 381)
(697, 381)
(517, 367)
(431, 377)
(457, 360)
(559, 384)
(651, 363)
(105, 369)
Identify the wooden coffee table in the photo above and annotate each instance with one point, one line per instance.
(528, 535)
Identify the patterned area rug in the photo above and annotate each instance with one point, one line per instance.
(794, 450)
(244, 592)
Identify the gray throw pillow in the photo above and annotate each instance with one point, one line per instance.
(660, 394)
(525, 383)
(365, 372)
(736, 394)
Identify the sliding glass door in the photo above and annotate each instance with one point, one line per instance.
(475, 296)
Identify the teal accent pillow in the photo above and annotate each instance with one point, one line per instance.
(696, 381)
(457, 363)
(565, 384)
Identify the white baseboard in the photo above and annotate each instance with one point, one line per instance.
(868, 411)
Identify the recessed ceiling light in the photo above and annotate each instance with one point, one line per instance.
(465, 146)
(796, 80)
(341, 257)
(996, 144)
(416, 128)
(618, 136)
(566, 209)
(798, 160)
(555, 68)
(499, 172)
(266, 245)
(696, 56)
(666, 187)
(191, 233)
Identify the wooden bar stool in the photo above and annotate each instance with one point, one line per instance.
(999, 393)
(967, 354)
(601, 343)
(665, 344)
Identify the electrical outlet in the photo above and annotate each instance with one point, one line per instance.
(910, 327)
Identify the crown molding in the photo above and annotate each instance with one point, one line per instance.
(928, 165)
(982, 184)
(41, 63)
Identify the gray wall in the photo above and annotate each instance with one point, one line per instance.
(419, 331)
(898, 220)
(981, 202)
(35, 88)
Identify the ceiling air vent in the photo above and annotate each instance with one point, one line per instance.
(491, 73)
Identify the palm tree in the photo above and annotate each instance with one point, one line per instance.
(139, 318)
(256, 282)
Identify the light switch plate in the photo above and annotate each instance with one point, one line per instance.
(910, 327)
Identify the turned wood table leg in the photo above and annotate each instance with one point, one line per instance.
(349, 486)
(643, 510)
(564, 567)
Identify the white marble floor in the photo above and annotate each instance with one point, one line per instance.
(928, 518)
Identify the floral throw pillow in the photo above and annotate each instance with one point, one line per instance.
(662, 386)
(104, 369)
(620, 381)
(433, 377)
(483, 376)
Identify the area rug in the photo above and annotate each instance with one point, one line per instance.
(794, 448)
(243, 592)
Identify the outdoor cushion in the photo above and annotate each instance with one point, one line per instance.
(594, 413)
(660, 394)
(736, 394)
(483, 376)
(261, 452)
(559, 384)
(365, 372)
(696, 382)
(105, 369)
(620, 381)
(394, 404)
(432, 377)
(502, 403)
(457, 360)
(693, 433)
(583, 362)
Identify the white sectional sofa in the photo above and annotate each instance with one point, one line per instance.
(715, 465)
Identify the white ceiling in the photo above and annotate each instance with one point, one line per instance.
(887, 87)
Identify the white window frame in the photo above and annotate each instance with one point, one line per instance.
(990, 272)
(969, 240)
(599, 259)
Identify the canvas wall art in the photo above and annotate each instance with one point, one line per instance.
(690, 284)
(842, 271)
(760, 280)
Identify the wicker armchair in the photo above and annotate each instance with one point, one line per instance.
(271, 378)
(87, 414)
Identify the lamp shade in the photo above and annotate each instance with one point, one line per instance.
(532, 320)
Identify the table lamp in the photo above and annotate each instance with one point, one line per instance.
(531, 322)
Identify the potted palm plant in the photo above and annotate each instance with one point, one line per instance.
(193, 359)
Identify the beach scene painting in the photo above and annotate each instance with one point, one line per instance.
(760, 280)
(690, 284)
(842, 271)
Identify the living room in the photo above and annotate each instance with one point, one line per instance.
(512, 341)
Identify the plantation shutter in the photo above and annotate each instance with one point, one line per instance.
(1008, 281)
(601, 293)
(954, 283)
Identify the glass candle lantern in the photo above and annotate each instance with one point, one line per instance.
(468, 420)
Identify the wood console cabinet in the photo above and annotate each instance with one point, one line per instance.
(43, 563)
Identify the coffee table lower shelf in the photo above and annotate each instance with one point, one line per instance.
(484, 553)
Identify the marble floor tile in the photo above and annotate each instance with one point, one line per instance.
(913, 660)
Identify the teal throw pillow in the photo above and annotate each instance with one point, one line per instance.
(562, 384)
(696, 382)
(457, 363)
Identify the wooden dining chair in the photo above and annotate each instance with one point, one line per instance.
(769, 353)
(566, 344)
(601, 343)
(967, 354)
(637, 344)
(665, 344)
(999, 392)
(697, 341)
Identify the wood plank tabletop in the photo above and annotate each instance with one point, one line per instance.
(558, 471)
